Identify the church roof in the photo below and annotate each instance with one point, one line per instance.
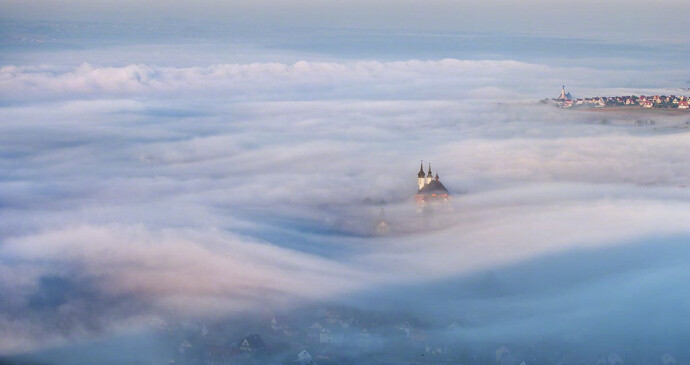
(434, 186)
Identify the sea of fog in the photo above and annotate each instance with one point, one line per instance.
(164, 196)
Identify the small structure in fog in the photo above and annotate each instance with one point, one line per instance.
(251, 344)
(432, 193)
(614, 359)
(304, 358)
(501, 353)
(668, 359)
(382, 228)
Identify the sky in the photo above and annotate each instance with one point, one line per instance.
(174, 163)
(634, 21)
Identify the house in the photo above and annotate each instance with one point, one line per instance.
(647, 104)
(184, 347)
(251, 344)
(501, 352)
(323, 354)
(276, 325)
(614, 359)
(683, 104)
(406, 328)
(344, 324)
(434, 350)
(314, 332)
(455, 326)
(331, 335)
(667, 359)
(304, 358)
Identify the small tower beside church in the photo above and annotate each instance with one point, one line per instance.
(429, 176)
(382, 228)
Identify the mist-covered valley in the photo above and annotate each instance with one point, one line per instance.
(160, 208)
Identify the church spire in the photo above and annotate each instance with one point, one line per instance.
(429, 174)
(421, 177)
(436, 175)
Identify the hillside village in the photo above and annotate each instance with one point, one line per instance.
(565, 100)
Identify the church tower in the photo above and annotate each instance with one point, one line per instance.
(420, 176)
(429, 176)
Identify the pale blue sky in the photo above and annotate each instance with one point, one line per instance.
(631, 20)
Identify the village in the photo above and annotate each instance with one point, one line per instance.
(321, 335)
(565, 100)
(345, 335)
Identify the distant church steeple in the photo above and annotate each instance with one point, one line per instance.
(420, 175)
(429, 176)
(564, 95)
(382, 228)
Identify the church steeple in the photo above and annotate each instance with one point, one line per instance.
(421, 170)
(421, 181)
(436, 176)
(429, 176)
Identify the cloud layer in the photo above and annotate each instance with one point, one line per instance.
(139, 194)
(416, 79)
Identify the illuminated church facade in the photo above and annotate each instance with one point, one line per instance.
(431, 192)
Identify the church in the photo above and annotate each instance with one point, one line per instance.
(431, 193)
